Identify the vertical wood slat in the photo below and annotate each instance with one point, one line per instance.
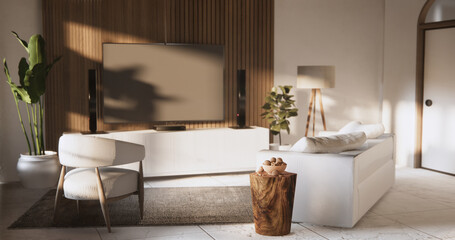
(247, 55)
(231, 77)
(263, 52)
(261, 74)
(270, 48)
(255, 58)
(76, 30)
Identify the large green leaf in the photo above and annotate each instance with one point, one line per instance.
(270, 99)
(23, 42)
(266, 106)
(287, 89)
(292, 114)
(282, 89)
(23, 67)
(37, 53)
(37, 82)
(275, 128)
(288, 97)
(6, 70)
(19, 92)
(52, 64)
(274, 89)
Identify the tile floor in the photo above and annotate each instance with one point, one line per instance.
(421, 205)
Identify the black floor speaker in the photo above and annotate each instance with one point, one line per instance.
(92, 99)
(241, 98)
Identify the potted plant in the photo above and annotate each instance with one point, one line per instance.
(37, 168)
(279, 107)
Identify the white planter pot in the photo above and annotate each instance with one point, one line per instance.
(274, 146)
(39, 171)
(284, 147)
(278, 147)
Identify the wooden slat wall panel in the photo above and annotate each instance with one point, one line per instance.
(76, 30)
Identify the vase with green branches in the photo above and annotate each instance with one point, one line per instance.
(30, 91)
(278, 108)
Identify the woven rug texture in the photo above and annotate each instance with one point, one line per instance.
(162, 206)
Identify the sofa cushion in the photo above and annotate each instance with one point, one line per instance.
(330, 144)
(371, 130)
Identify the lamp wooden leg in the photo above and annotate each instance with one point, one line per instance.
(310, 110)
(141, 190)
(103, 202)
(58, 194)
(322, 109)
(314, 110)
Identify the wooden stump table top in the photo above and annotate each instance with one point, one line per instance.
(266, 175)
(273, 201)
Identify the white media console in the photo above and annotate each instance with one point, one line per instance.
(197, 151)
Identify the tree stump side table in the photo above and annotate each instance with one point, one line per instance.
(273, 200)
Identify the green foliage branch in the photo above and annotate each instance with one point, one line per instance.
(278, 108)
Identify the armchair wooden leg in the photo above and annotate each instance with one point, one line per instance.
(59, 192)
(78, 206)
(141, 190)
(103, 201)
(314, 111)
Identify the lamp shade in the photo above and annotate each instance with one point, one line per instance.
(315, 77)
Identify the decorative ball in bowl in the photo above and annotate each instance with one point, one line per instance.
(274, 164)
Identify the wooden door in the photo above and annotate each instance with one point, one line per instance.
(438, 131)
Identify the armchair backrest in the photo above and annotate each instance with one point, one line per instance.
(89, 151)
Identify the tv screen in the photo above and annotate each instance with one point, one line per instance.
(156, 82)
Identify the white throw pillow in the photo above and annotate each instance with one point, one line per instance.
(330, 144)
(371, 130)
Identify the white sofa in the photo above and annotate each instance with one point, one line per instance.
(338, 189)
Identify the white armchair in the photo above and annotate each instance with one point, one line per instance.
(94, 177)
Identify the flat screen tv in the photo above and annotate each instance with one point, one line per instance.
(157, 83)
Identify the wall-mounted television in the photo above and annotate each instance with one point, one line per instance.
(158, 83)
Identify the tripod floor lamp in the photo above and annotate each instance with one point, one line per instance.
(315, 78)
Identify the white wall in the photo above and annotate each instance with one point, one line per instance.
(373, 46)
(399, 75)
(348, 34)
(24, 17)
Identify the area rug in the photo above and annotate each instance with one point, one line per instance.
(162, 206)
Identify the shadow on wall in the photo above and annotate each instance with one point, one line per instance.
(138, 104)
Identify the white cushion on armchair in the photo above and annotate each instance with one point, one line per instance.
(80, 183)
